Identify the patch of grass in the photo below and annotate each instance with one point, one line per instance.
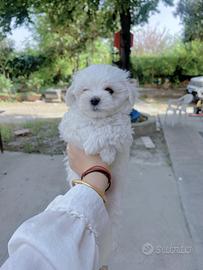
(29, 148)
(6, 132)
(43, 137)
(41, 127)
(34, 126)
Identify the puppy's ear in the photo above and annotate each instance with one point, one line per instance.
(132, 86)
(70, 97)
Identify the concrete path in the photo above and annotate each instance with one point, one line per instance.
(28, 182)
(185, 143)
(155, 235)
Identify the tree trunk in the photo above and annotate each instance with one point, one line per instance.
(125, 19)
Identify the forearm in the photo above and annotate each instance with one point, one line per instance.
(67, 234)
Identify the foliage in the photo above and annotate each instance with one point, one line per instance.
(6, 52)
(38, 127)
(6, 132)
(66, 13)
(34, 84)
(60, 61)
(20, 84)
(190, 58)
(181, 62)
(191, 14)
(24, 65)
(66, 26)
(73, 24)
(5, 84)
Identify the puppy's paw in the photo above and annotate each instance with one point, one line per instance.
(108, 155)
(91, 147)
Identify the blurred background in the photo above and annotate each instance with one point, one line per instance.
(43, 42)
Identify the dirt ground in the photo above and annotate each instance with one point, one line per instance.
(15, 112)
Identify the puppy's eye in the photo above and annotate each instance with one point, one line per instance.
(108, 89)
(85, 89)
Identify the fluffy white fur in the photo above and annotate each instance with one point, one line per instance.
(104, 128)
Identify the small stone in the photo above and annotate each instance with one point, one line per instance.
(148, 142)
(22, 132)
(180, 178)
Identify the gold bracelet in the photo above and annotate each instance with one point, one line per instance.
(100, 193)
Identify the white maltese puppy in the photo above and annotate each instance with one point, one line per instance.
(100, 100)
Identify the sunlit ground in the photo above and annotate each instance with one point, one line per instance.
(18, 112)
(21, 112)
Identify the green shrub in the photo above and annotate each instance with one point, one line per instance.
(6, 132)
(25, 64)
(20, 84)
(34, 84)
(150, 68)
(5, 84)
(181, 62)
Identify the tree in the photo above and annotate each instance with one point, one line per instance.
(191, 15)
(151, 41)
(64, 53)
(92, 17)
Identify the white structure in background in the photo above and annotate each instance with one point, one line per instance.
(53, 95)
(178, 107)
(195, 86)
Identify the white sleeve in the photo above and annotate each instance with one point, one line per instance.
(69, 234)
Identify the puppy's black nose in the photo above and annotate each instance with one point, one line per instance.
(95, 100)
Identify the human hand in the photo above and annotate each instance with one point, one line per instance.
(80, 162)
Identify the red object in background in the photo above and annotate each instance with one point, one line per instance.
(117, 39)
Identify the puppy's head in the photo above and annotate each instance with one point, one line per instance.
(101, 90)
